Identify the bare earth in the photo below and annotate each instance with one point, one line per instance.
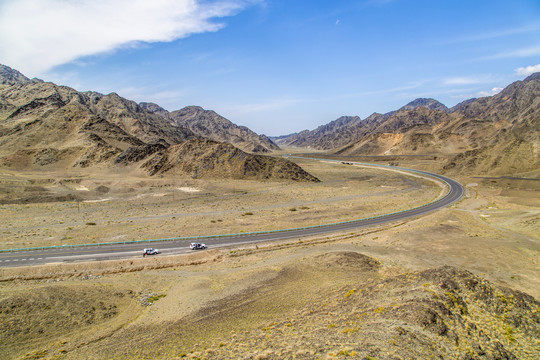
(438, 286)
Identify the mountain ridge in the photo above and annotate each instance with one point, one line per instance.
(493, 135)
(211, 125)
(44, 125)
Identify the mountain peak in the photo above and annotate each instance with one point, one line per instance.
(428, 103)
(535, 76)
(152, 107)
(11, 76)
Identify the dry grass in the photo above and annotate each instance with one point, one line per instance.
(110, 209)
(315, 298)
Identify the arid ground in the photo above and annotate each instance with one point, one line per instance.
(455, 283)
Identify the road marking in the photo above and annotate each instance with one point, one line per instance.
(455, 191)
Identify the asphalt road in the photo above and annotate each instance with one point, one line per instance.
(40, 256)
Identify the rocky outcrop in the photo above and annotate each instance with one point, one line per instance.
(210, 159)
(427, 103)
(490, 135)
(46, 125)
(210, 125)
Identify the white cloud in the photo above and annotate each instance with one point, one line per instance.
(467, 80)
(36, 35)
(493, 91)
(528, 70)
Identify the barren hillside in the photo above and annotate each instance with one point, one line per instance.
(206, 158)
(46, 126)
(210, 125)
(499, 134)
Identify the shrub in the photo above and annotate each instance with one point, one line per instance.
(156, 298)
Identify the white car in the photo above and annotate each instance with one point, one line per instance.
(197, 246)
(150, 251)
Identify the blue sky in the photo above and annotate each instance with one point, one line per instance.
(275, 66)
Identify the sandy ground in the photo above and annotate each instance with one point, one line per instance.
(494, 232)
(107, 209)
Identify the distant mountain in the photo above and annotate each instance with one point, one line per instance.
(329, 136)
(46, 125)
(430, 104)
(503, 131)
(404, 132)
(460, 105)
(210, 125)
(491, 135)
(347, 129)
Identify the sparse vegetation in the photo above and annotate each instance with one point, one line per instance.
(271, 294)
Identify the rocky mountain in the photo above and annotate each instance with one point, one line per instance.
(46, 125)
(329, 136)
(404, 132)
(347, 129)
(9, 76)
(206, 158)
(496, 135)
(42, 123)
(429, 103)
(503, 131)
(210, 125)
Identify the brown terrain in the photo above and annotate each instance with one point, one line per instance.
(210, 125)
(496, 135)
(45, 126)
(459, 283)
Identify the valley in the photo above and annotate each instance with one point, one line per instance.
(108, 209)
(461, 282)
(235, 297)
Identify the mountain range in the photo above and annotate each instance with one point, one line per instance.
(46, 125)
(491, 135)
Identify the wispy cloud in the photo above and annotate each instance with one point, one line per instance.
(36, 35)
(482, 36)
(168, 99)
(491, 92)
(528, 70)
(406, 87)
(516, 53)
(465, 80)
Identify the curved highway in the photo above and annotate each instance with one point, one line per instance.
(39, 256)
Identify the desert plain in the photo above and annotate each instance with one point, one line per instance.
(461, 281)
